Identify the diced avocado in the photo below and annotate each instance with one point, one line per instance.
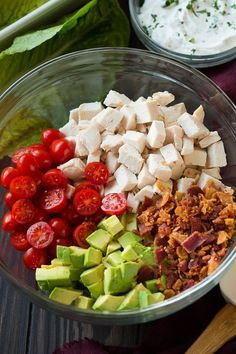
(77, 256)
(129, 270)
(63, 254)
(129, 254)
(151, 285)
(57, 276)
(108, 302)
(115, 258)
(84, 302)
(56, 262)
(111, 225)
(64, 296)
(113, 246)
(139, 248)
(96, 289)
(123, 219)
(75, 273)
(131, 222)
(131, 300)
(92, 257)
(161, 282)
(148, 257)
(128, 239)
(99, 239)
(143, 299)
(154, 298)
(99, 225)
(48, 266)
(43, 285)
(92, 275)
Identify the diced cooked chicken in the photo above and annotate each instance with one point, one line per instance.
(188, 146)
(125, 178)
(80, 149)
(158, 168)
(156, 135)
(177, 168)
(74, 115)
(214, 172)
(109, 119)
(163, 98)
(71, 139)
(184, 184)
(197, 158)
(70, 129)
(170, 154)
(216, 155)
(131, 158)
(116, 99)
(192, 127)
(161, 187)
(129, 117)
(199, 114)
(205, 178)
(145, 111)
(89, 110)
(90, 138)
(83, 124)
(112, 187)
(174, 134)
(70, 190)
(152, 161)
(94, 156)
(172, 113)
(192, 173)
(135, 139)
(112, 142)
(145, 192)
(145, 178)
(73, 169)
(132, 203)
(112, 161)
(212, 138)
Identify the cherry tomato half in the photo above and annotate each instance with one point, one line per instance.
(42, 156)
(86, 184)
(9, 200)
(49, 135)
(96, 173)
(8, 222)
(87, 201)
(40, 215)
(34, 258)
(59, 241)
(62, 150)
(23, 211)
(54, 178)
(40, 235)
(27, 165)
(7, 176)
(82, 232)
(18, 153)
(114, 204)
(19, 241)
(71, 216)
(60, 227)
(23, 187)
(53, 200)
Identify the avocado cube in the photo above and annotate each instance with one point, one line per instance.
(75, 273)
(129, 270)
(129, 254)
(48, 266)
(63, 254)
(92, 275)
(57, 276)
(96, 289)
(115, 258)
(114, 283)
(99, 225)
(131, 222)
(148, 257)
(77, 256)
(99, 239)
(161, 282)
(64, 296)
(139, 248)
(151, 285)
(108, 303)
(113, 246)
(111, 225)
(56, 262)
(131, 300)
(123, 219)
(84, 302)
(92, 257)
(128, 239)
(43, 285)
(143, 299)
(154, 298)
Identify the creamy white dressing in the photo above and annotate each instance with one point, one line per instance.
(190, 26)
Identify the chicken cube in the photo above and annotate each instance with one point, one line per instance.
(177, 168)
(192, 173)
(73, 169)
(112, 142)
(131, 158)
(94, 156)
(70, 129)
(156, 135)
(116, 99)
(87, 111)
(112, 187)
(216, 155)
(112, 162)
(188, 146)
(174, 134)
(84, 124)
(212, 138)
(125, 178)
(161, 187)
(145, 178)
(163, 98)
(172, 113)
(70, 190)
(158, 168)
(170, 153)
(80, 149)
(214, 172)
(135, 139)
(199, 114)
(205, 178)
(129, 117)
(145, 111)
(197, 158)
(192, 127)
(91, 138)
(132, 203)
(184, 184)
(74, 115)
(145, 192)
(109, 119)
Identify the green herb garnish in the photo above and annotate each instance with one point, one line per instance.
(170, 2)
(154, 17)
(192, 40)
(216, 6)
(190, 6)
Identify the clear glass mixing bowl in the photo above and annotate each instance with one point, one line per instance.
(54, 88)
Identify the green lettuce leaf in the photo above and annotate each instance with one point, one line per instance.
(99, 23)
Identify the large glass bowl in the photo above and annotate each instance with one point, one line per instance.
(54, 88)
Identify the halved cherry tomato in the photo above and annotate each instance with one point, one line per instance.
(49, 135)
(60, 227)
(82, 232)
(53, 200)
(18, 153)
(23, 211)
(71, 215)
(9, 224)
(54, 178)
(19, 241)
(40, 215)
(42, 156)
(97, 217)
(59, 241)
(87, 201)
(114, 204)
(9, 200)
(23, 187)
(27, 165)
(7, 176)
(40, 235)
(86, 184)
(34, 258)
(96, 173)
(62, 150)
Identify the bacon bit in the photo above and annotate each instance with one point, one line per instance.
(222, 237)
(160, 254)
(144, 230)
(169, 293)
(208, 237)
(163, 200)
(163, 230)
(194, 190)
(181, 253)
(193, 263)
(212, 264)
(225, 198)
(177, 285)
(145, 273)
(196, 224)
(183, 265)
(188, 284)
(230, 222)
(171, 279)
(179, 237)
